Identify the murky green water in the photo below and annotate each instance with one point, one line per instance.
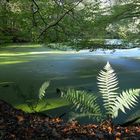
(79, 70)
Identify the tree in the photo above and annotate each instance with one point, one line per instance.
(69, 21)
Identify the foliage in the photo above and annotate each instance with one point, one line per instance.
(126, 100)
(113, 100)
(31, 100)
(53, 21)
(91, 44)
(85, 103)
(43, 88)
(107, 86)
(60, 46)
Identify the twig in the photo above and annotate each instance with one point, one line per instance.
(58, 20)
(37, 11)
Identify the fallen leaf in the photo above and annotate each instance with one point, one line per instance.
(20, 118)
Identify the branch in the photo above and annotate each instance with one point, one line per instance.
(34, 2)
(131, 15)
(33, 16)
(58, 20)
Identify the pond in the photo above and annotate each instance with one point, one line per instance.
(29, 69)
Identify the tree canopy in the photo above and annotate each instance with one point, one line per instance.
(84, 22)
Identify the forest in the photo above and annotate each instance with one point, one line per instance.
(69, 69)
(84, 23)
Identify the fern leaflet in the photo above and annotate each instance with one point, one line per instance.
(127, 99)
(43, 88)
(82, 101)
(108, 84)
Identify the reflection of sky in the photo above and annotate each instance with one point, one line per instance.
(135, 52)
(105, 3)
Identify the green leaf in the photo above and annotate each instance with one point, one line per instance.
(43, 88)
(128, 99)
(82, 101)
(108, 84)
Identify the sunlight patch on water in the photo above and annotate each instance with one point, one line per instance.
(12, 62)
(33, 53)
(2, 83)
(50, 104)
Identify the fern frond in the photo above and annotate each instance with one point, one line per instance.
(108, 84)
(82, 101)
(127, 99)
(43, 88)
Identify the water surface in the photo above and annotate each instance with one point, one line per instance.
(64, 69)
